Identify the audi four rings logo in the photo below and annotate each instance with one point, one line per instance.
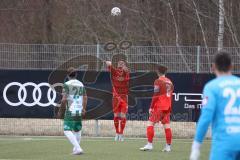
(36, 94)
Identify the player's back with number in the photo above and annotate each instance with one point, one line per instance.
(221, 109)
(74, 90)
(225, 92)
(163, 88)
(73, 103)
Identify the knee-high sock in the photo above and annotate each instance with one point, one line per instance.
(168, 135)
(72, 138)
(116, 124)
(150, 133)
(122, 125)
(78, 136)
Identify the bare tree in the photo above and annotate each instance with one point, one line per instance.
(221, 25)
(202, 30)
(195, 22)
(177, 36)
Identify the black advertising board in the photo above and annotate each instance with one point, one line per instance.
(28, 94)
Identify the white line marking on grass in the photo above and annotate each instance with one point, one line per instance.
(87, 139)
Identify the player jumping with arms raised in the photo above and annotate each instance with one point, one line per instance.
(160, 109)
(74, 103)
(221, 109)
(120, 84)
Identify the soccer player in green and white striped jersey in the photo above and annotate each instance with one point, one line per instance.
(74, 103)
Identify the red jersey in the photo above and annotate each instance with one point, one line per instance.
(163, 90)
(120, 81)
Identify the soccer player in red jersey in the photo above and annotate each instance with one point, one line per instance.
(120, 84)
(160, 109)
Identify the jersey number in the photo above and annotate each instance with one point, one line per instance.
(77, 92)
(234, 95)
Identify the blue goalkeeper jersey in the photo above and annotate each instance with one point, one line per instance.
(221, 109)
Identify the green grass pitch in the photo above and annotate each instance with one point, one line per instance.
(58, 148)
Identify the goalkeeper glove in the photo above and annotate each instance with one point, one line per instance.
(195, 152)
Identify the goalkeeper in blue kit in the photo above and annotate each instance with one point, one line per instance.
(221, 109)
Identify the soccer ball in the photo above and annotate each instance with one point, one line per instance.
(115, 11)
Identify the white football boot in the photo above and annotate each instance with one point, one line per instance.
(147, 147)
(167, 148)
(77, 151)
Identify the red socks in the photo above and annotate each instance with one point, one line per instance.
(150, 133)
(122, 125)
(168, 135)
(116, 124)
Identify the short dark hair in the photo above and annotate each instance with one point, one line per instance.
(223, 61)
(72, 72)
(161, 69)
(119, 57)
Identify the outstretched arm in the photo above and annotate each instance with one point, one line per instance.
(108, 63)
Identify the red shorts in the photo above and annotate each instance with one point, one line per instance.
(120, 104)
(162, 116)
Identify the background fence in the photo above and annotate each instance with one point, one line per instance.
(195, 59)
